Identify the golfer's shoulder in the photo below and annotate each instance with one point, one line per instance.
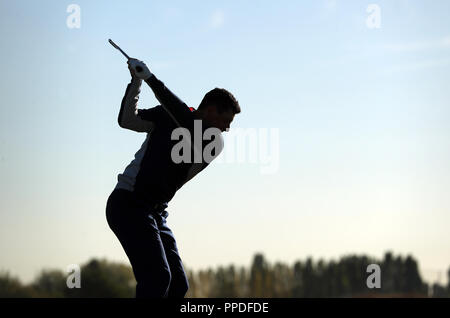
(185, 115)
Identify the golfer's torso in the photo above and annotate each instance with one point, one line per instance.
(153, 175)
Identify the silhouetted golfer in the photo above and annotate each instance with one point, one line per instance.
(136, 208)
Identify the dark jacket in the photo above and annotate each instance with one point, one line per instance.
(152, 175)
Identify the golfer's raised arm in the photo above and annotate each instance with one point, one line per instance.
(128, 114)
(175, 106)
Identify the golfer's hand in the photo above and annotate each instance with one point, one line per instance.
(133, 74)
(139, 69)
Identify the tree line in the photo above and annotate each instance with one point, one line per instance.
(347, 277)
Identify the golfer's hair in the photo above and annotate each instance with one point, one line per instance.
(222, 98)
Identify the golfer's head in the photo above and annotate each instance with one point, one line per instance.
(218, 108)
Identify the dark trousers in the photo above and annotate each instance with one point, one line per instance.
(150, 246)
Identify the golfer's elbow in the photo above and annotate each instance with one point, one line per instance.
(128, 126)
(127, 114)
(121, 124)
(134, 123)
(125, 124)
(121, 119)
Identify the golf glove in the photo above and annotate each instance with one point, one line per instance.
(140, 69)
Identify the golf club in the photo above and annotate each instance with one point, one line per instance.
(138, 69)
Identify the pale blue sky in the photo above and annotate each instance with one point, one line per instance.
(363, 116)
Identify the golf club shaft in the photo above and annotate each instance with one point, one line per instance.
(117, 47)
(138, 69)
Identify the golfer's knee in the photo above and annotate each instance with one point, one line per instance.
(184, 287)
(155, 284)
(163, 279)
(178, 287)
